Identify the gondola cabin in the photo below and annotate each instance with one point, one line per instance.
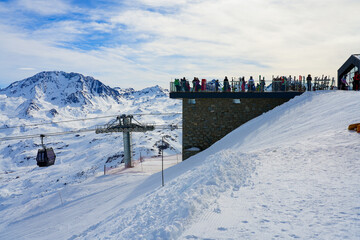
(45, 156)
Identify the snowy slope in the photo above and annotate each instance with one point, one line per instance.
(80, 156)
(290, 173)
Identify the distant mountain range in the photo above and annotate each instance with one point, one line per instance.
(50, 90)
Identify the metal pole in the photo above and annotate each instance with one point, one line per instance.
(127, 149)
(42, 140)
(127, 143)
(162, 163)
(141, 163)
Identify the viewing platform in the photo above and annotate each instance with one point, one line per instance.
(209, 112)
(274, 89)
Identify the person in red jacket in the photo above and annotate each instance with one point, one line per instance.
(356, 81)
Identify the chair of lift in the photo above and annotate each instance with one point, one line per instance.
(45, 156)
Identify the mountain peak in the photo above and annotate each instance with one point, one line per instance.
(155, 90)
(61, 88)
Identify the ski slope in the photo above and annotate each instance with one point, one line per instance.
(291, 173)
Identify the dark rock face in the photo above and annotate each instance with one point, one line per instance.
(33, 107)
(53, 112)
(72, 98)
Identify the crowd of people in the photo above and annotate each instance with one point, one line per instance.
(277, 84)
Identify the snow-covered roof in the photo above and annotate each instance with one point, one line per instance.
(357, 55)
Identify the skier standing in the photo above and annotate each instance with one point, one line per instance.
(308, 80)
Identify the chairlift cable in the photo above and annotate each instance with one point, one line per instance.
(154, 114)
(82, 119)
(9, 138)
(47, 123)
(46, 135)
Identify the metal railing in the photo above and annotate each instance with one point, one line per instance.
(238, 86)
(258, 86)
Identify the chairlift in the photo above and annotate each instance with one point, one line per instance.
(45, 156)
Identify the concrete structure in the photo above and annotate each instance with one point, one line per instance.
(209, 116)
(351, 66)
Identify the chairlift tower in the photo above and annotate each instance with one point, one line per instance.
(124, 123)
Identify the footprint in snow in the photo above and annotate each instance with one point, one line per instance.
(191, 237)
(217, 210)
(222, 229)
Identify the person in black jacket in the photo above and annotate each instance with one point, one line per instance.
(183, 84)
(226, 85)
(308, 80)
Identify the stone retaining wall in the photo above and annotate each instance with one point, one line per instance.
(209, 119)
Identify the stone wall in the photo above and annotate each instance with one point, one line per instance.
(207, 120)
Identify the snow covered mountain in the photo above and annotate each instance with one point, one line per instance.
(49, 101)
(61, 88)
(47, 92)
(43, 94)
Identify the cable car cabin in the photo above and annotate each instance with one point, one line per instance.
(45, 157)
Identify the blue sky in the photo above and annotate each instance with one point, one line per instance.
(140, 43)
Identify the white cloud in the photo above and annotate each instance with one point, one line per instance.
(198, 38)
(290, 37)
(108, 66)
